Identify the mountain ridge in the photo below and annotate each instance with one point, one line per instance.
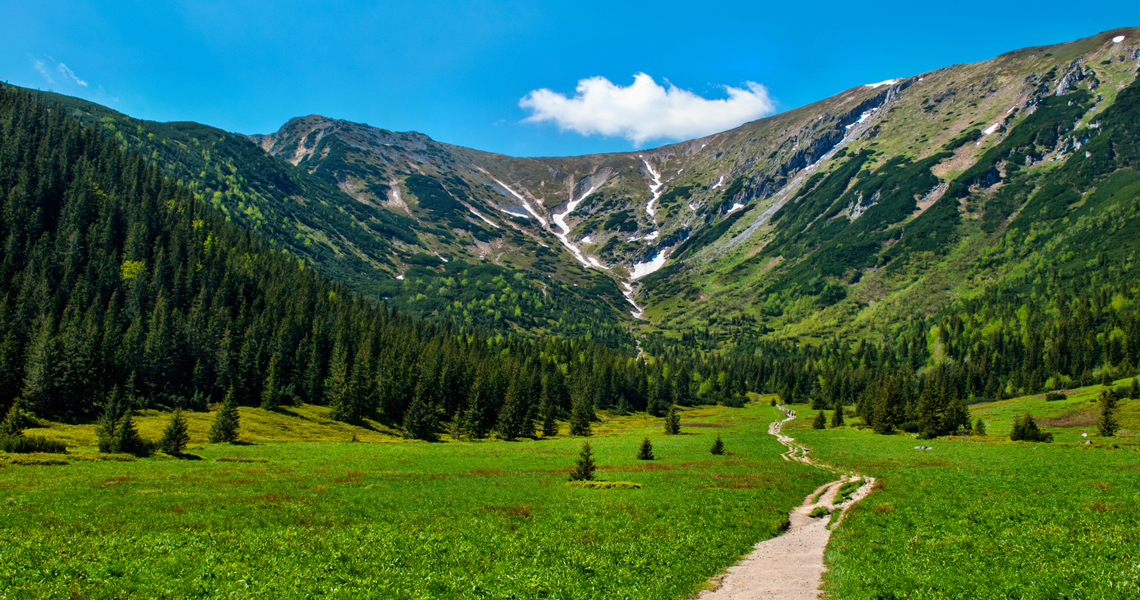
(685, 230)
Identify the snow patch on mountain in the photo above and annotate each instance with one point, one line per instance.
(881, 83)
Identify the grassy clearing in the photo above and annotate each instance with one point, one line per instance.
(977, 518)
(402, 520)
(1067, 418)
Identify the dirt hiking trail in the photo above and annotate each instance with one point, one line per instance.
(789, 567)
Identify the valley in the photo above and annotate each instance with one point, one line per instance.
(340, 361)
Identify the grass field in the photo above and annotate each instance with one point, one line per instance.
(978, 518)
(397, 520)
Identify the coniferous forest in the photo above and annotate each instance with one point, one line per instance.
(119, 286)
(118, 282)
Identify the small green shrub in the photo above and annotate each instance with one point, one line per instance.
(605, 485)
(819, 511)
(846, 490)
(1055, 396)
(23, 444)
(1025, 430)
(717, 447)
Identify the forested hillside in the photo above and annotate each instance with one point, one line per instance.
(416, 259)
(118, 284)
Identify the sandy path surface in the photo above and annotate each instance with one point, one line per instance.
(788, 567)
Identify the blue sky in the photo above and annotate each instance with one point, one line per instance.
(457, 71)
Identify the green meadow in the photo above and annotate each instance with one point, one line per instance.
(984, 517)
(344, 519)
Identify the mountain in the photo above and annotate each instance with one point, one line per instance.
(850, 217)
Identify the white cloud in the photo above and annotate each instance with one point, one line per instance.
(645, 110)
(39, 65)
(66, 71)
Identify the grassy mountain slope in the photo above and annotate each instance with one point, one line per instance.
(845, 217)
(957, 167)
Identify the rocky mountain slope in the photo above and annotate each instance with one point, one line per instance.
(843, 217)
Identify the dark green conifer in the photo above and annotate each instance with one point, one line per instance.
(645, 452)
(979, 427)
(176, 435)
(672, 420)
(271, 391)
(584, 467)
(717, 447)
(582, 405)
(820, 421)
(548, 408)
(1107, 425)
(127, 439)
(15, 421)
(837, 416)
(1134, 389)
(421, 421)
(581, 416)
(225, 427)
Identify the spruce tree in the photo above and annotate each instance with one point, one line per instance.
(1107, 425)
(176, 436)
(773, 402)
(717, 447)
(548, 407)
(127, 439)
(820, 421)
(1017, 431)
(225, 427)
(421, 421)
(512, 415)
(672, 420)
(645, 452)
(271, 391)
(837, 416)
(15, 422)
(581, 415)
(1134, 389)
(979, 427)
(584, 467)
(113, 409)
(956, 417)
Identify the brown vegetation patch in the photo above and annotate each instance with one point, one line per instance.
(350, 477)
(1073, 418)
(486, 472)
(237, 481)
(110, 481)
(704, 425)
(177, 509)
(1098, 506)
(1104, 485)
(883, 509)
(521, 511)
(879, 484)
(239, 459)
